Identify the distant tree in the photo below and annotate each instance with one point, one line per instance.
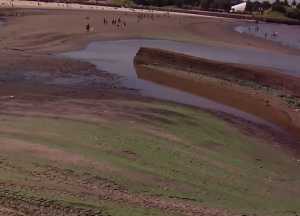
(206, 4)
(254, 6)
(278, 6)
(277, 2)
(179, 3)
(294, 4)
(249, 6)
(221, 4)
(266, 5)
(286, 3)
(293, 13)
(257, 5)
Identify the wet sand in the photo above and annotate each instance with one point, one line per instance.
(253, 90)
(47, 33)
(35, 81)
(284, 34)
(29, 43)
(117, 57)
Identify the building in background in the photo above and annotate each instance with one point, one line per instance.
(239, 8)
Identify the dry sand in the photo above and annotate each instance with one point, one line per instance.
(49, 27)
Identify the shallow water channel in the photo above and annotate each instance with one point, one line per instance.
(288, 35)
(117, 57)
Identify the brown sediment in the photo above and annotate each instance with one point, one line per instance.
(27, 42)
(46, 32)
(217, 69)
(27, 66)
(253, 90)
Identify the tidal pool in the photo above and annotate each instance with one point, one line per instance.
(117, 57)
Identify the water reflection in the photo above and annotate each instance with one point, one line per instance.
(285, 34)
(217, 91)
(117, 57)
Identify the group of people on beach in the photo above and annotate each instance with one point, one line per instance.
(267, 35)
(120, 22)
(114, 21)
(150, 15)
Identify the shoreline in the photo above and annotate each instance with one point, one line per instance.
(253, 90)
(240, 40)
(173, 10)
(86, 145)
(53, 62)
(81, 41)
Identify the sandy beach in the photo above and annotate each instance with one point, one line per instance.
(38, 84)
(29, 40)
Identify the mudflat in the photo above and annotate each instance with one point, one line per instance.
(268, 94)
(75, 142)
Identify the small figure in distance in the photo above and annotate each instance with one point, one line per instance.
(88, 27)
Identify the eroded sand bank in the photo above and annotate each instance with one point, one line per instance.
(254, 90)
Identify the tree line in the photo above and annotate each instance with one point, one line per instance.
(225, 5)
(203, 4)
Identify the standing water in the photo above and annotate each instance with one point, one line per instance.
(117, 57)
(288, 35)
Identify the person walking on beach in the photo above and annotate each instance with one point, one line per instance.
(88, 27)
(275, 34)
